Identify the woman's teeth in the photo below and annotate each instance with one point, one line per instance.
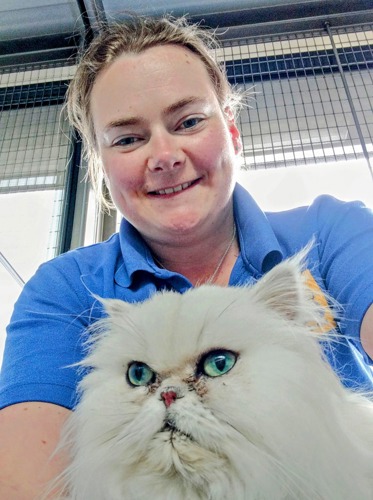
(176, 189)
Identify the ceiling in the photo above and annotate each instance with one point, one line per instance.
(52, 29)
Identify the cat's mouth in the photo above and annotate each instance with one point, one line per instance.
(175, 431)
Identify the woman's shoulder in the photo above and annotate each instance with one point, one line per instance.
(333, 205)
(107, 248)
(325, 221)
(87, 258)
(82, 273)
(324, 209)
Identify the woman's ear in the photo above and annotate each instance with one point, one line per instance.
(233, 130)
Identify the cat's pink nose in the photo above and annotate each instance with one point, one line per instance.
(168, 397)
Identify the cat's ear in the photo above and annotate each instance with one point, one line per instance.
(114, 307)
(284, 288)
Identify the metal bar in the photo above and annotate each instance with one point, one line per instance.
(70, 196)
(88, 32)
(80, 215)
(99, 11)
(106, 222)
(349, 98)
(94, 12)
(8, 266)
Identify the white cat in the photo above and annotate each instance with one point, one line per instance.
(220, 393)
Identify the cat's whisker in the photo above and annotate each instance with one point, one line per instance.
(289, 476)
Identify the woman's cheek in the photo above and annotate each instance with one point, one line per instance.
(122, 172)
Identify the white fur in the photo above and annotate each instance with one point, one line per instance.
(278, 426)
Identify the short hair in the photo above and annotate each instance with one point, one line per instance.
(133, 37)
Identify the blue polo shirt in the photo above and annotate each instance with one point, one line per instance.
(58, 304)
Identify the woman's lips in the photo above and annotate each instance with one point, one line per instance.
(172, 190)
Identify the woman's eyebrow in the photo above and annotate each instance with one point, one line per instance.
(173, 108)
(121, 122)
(182, 103)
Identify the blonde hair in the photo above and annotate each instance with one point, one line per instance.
(133, 37)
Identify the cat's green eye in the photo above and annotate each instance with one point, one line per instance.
(140, 374)
(216, 363)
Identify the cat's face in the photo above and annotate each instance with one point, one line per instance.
(170, 374)
(187, 383)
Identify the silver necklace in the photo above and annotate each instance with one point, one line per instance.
(213, 276)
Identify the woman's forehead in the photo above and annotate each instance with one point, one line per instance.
(157, 77)
(157, 62)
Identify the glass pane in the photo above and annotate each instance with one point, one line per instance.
(27, 238)
(284, 188)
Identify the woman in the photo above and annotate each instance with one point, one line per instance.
(157, 117)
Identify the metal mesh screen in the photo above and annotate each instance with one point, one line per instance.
(356, 54)
(34, 137)
(299, 112)
(35, 145)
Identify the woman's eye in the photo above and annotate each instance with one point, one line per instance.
(190, 123)
(126, 141)
(218, 363)
(140, 374)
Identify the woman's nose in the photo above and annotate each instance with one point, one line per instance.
(164, 153)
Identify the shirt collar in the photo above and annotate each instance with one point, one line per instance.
(135, 252)
(137, 257)
(258, 243)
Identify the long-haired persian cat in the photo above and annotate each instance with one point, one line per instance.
(220, 393)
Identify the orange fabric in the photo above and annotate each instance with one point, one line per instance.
(319, 297)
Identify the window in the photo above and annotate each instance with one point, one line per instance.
(34, 155)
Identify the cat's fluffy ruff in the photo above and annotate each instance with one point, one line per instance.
(279, 425)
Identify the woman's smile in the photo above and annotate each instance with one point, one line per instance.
(167, 191)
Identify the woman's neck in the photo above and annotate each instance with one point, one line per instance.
(207, 261)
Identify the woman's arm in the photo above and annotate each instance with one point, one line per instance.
(345, 238)
(29, 433)
(366, 332)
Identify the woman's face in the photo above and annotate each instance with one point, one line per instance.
(167, 148)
